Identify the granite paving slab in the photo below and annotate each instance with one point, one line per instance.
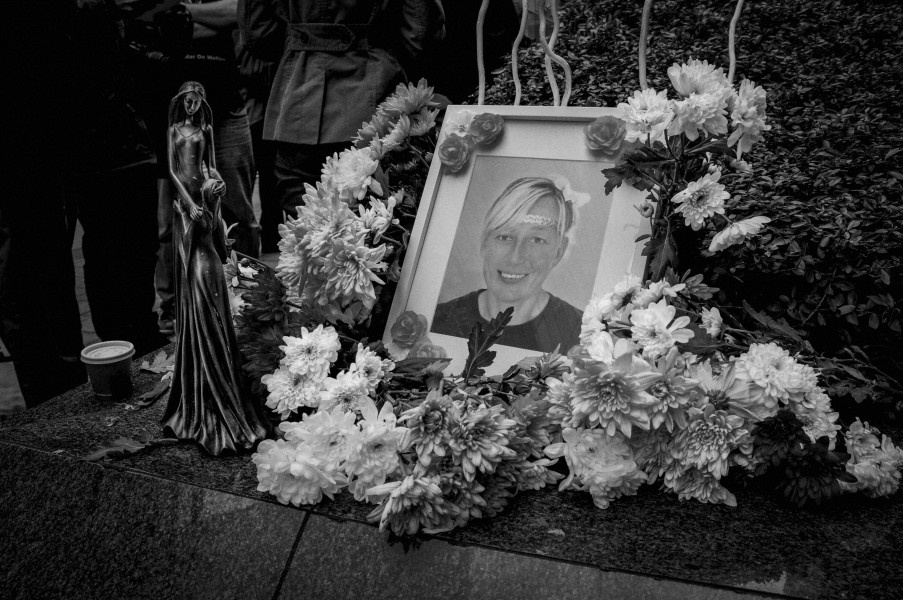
(849, 548)
(440, 569)
(78, 530)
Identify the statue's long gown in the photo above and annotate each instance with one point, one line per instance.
(205, 402)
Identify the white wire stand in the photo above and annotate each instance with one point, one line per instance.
(731, 42)
(548, 46)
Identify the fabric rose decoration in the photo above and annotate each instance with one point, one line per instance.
(486, 128)
(426, 349)
(408, 328)
(465, 132)
(606, 136)
(454, 152)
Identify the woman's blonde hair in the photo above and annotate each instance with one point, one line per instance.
(518, 200)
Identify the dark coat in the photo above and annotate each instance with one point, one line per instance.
(337, 60)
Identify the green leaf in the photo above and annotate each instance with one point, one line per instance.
(478, 344)
(665, 255)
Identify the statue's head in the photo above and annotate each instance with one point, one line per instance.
(190, 101)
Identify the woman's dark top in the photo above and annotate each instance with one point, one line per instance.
(558, 325)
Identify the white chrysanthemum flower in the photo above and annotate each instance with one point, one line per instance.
(615, 397)
(701, 199)
(655, 291)
(312, 353)
(698, 77)
(705, 93)
(347, 391)
(604, 465)
(606, 308)
(331, 436)
(349, 272)
(378, 217)
(293, 473)
(398, 135)
(878, 472)
(371, 366)
(656, 330)
(594, 317)
(814, 410)
(699, 112)
(711, 321)
(605, 348)
(423, 121)
(861, 440)
(288, 393)
(375, 456)
(235, 301)
(708, 439)
(412, 504)
(776, 375)
(737, 232)
(696, 484)
(459, 123)
(351, 174)
(747, 110)
(647, 114)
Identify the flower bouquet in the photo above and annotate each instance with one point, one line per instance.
(664, 386)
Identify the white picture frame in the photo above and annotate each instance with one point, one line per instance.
(536, 140)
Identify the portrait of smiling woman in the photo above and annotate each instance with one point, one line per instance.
(524, 237)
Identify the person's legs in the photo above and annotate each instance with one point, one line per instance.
(270, 208)
(163, 273)
(117, 211)
(297, 164)
(235, 163)
(39, 316)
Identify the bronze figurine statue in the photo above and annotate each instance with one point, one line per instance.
(205, 401)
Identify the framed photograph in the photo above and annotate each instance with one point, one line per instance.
(523, 222)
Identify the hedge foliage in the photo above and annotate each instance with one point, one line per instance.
(829, 173)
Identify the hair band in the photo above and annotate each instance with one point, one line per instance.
(540, 220)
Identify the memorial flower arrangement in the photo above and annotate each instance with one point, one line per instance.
(663, 390)
(677, 149)
(664, 387)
